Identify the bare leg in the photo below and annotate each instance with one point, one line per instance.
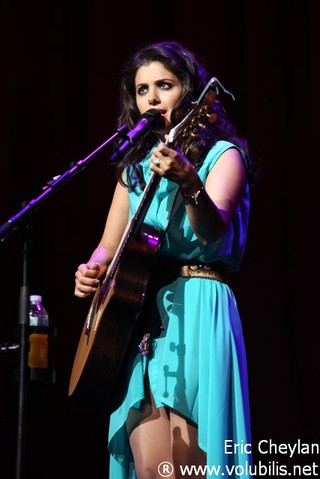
(158, 435)
(149, 432)
(184, 441)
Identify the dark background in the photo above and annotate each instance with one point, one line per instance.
(60, 66)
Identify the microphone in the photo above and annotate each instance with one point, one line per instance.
(149, 120)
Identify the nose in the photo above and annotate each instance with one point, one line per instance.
(153, 99)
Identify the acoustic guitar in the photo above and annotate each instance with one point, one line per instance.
(117, 303)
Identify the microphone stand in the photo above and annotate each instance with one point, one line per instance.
(23, 323)
(5, 230)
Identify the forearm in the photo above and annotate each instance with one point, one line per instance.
(102, 257)
(211, 207)
(206, 220)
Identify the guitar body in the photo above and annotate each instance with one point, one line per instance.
(112, 319)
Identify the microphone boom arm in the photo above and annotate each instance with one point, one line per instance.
(53, 186)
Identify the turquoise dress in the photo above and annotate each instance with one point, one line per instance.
(198, 365)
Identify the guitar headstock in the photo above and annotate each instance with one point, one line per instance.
(200, 115)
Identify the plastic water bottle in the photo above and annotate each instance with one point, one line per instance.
(38, 356)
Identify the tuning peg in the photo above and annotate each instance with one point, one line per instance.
(212, 117)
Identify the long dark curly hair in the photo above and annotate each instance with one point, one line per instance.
(193, 77)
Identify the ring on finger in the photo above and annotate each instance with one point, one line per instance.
(156, 162)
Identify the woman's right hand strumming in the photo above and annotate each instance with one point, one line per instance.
(86, 279)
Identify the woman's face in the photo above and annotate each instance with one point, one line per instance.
(157, 87)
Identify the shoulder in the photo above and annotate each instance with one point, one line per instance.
(226, 149)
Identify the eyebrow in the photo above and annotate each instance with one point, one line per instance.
(157, 81)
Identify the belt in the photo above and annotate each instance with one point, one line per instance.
(209, 271)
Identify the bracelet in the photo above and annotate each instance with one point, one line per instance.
(193, 198)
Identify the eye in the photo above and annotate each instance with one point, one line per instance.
(164, 85)
(161, 84)
(142, 90)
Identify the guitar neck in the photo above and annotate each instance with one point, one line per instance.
(145, 200)
(135, 222)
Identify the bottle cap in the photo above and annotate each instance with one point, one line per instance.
(36, 298)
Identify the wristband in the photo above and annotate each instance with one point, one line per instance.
(193, 198)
